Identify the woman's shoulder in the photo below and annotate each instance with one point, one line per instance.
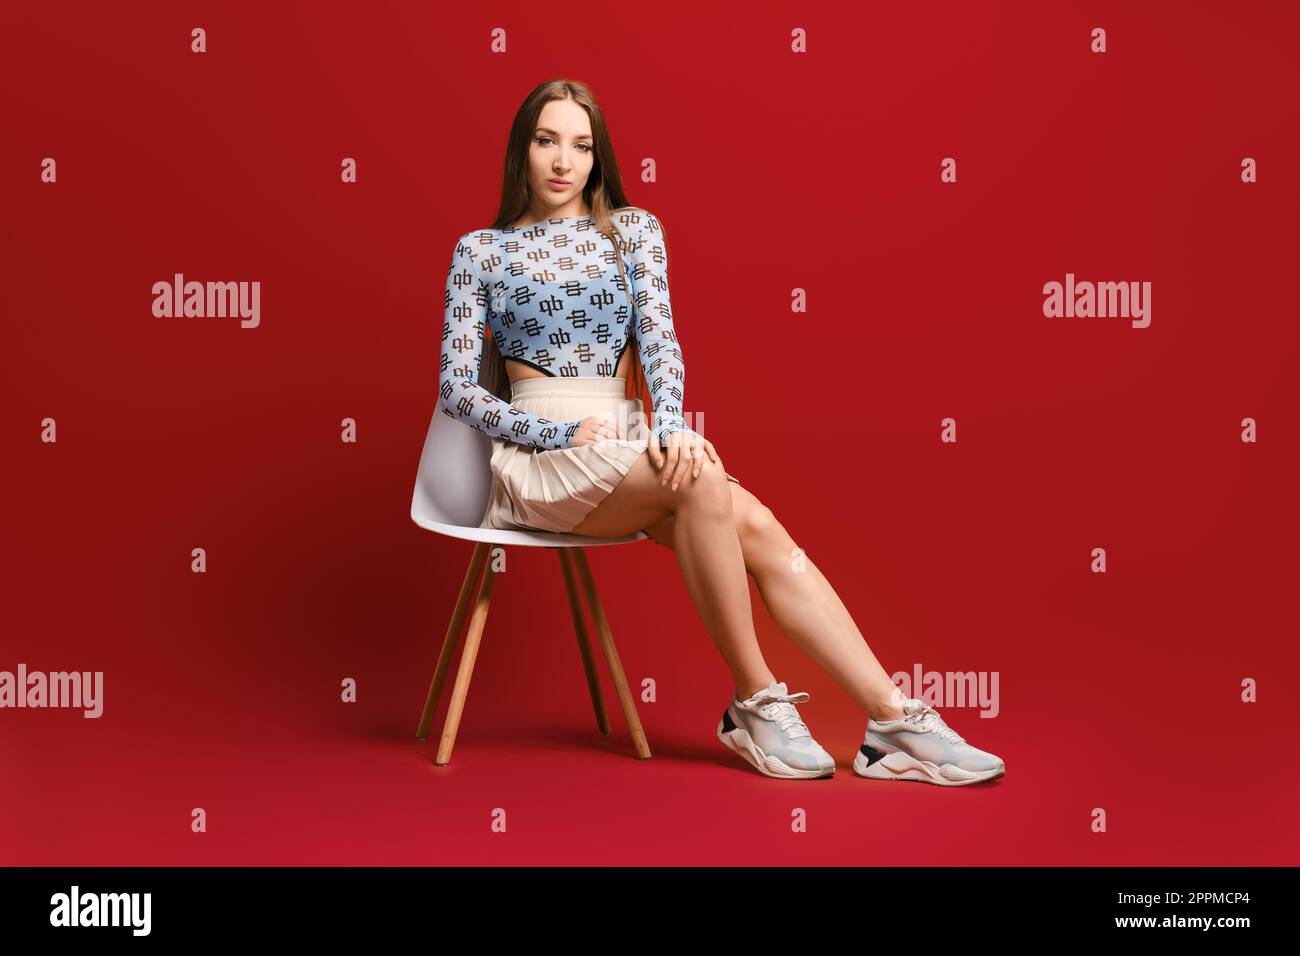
(482, 233)
(634, 214)
(637, 222)
(468, 243)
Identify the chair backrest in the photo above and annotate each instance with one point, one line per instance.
(455, 476)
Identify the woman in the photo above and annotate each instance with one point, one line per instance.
(566, 279)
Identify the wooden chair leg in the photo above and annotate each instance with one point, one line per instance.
(611, 656)
(460, 689)
(449, 642)
(584, 643)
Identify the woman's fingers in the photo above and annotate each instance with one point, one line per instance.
(697, 454)
(670, 462)
(679, 465)
(606, 426)
(596, 428)
(688, 453)
(684, 462)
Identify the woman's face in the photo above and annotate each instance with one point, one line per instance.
(560, 159)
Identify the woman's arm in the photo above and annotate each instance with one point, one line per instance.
(661, 354)
(463, 338)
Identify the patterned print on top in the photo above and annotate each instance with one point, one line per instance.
(552, 294)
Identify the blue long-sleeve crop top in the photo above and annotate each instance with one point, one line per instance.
(553, 298)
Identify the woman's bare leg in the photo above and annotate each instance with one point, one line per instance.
(803, 604)
(707, 547)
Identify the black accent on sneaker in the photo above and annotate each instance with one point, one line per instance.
(728, 725)
(871, 753)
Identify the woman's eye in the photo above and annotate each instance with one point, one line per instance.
(544, 140)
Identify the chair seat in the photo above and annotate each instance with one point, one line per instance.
(530, 539)
(452, 486)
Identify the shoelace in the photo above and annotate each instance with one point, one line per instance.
(783, 713)
(928, 719)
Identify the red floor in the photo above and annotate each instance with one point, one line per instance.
(288, 775)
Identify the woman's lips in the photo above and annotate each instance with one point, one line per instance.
(558, 184)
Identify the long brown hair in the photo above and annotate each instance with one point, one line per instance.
(603, 194)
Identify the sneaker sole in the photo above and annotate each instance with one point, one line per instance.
(877, 765)
(738, 739)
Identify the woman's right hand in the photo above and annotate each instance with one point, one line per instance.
(596, 428)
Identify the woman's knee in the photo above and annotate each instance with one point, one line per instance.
(710, 491)
(755, 521)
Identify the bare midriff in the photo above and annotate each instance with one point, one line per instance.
(518, 371)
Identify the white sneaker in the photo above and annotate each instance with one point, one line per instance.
(920, 746)
(767, 731)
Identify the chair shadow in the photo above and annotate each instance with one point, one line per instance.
(556, 738)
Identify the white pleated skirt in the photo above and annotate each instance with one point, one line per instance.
(555, 489)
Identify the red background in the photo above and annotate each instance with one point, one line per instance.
(775, 171)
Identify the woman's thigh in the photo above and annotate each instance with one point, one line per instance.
(753, 519)
(640, 501)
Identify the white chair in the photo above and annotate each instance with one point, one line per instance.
(451, 495)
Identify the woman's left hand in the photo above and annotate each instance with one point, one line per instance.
(684, 449)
